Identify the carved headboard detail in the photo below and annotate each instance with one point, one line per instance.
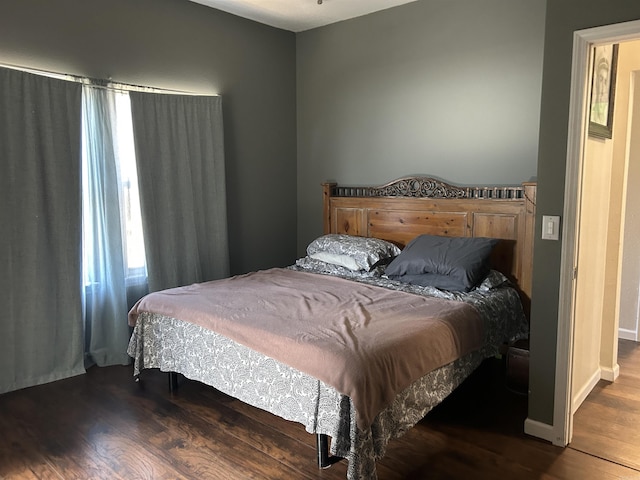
(405, 208)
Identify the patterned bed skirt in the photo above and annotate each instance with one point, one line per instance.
(173, 345)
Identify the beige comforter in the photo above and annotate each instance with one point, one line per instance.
(367, 342)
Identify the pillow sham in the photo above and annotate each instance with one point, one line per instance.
(465, 260)
(494, 279)
(309, 264)
(355, 253)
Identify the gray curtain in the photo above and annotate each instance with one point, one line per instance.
(41, 332)
(181, 172)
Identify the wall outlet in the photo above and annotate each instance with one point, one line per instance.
(550, 227)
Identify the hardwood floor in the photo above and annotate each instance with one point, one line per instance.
(103, 425)
(615, 435)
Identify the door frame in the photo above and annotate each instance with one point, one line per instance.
(583, 40)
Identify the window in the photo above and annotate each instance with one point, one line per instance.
(111, 201)
(132, 220)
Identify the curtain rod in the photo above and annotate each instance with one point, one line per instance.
(108, 84)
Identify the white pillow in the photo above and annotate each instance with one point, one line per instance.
(337, 259)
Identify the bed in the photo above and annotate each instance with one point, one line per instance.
(352, 367)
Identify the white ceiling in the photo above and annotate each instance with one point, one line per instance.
(300, 15)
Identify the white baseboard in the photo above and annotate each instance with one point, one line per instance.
(628, 334)
(582, 394)
(538, 429)
(610, 374)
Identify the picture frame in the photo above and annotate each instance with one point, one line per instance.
(603, 88)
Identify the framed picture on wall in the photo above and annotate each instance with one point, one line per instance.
(603, 89)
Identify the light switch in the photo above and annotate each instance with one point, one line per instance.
(550, 227)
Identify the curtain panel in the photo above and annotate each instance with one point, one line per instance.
(41, 331)
(181, 172)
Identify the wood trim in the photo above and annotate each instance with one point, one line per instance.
(410, 206)
(326, 214)
(539, 429)
(581, 395)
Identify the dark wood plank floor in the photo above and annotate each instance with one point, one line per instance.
(103, 425)
(615, 433)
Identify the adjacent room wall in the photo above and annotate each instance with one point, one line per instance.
(181, 45)
(628, 92)
(590, 280)
(629, 288)
(614, 322)
(450, 89)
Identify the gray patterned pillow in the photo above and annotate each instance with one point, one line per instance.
(494, 279)
(355, 253)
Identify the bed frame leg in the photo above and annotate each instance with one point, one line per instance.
(324, 459)
(173, 381)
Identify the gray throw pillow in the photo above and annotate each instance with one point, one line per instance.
(463, 261)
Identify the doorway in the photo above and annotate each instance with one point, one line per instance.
(572, 386)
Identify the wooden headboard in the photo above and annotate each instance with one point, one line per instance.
(410, 206)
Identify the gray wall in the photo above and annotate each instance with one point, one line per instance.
(177, 44)
(450, 89)
(563, 17)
